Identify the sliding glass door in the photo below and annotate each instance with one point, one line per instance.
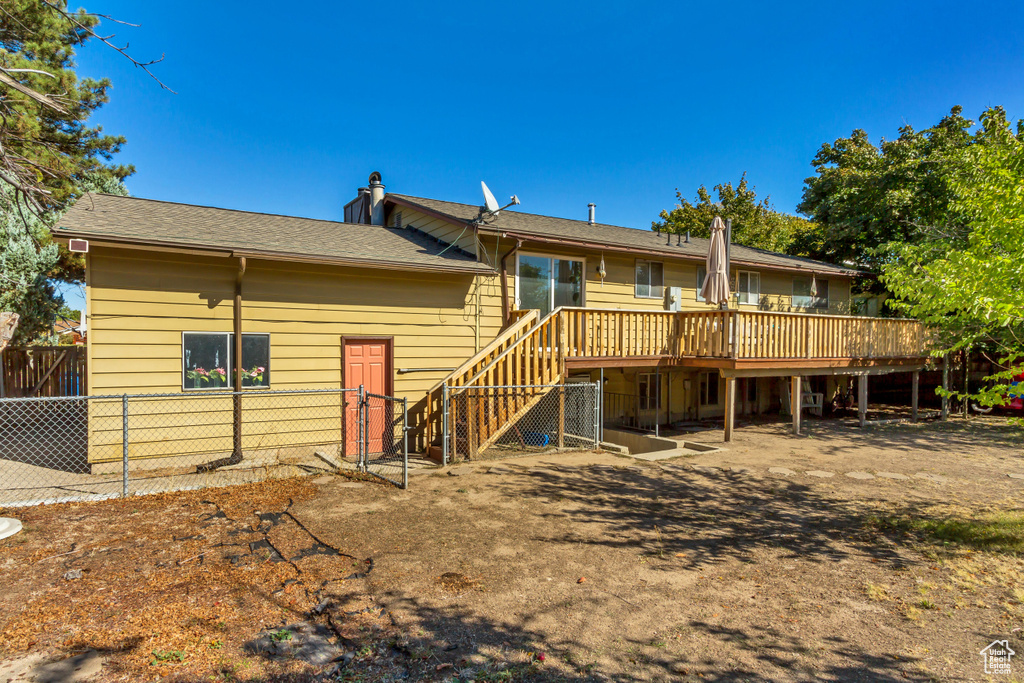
(545, 282)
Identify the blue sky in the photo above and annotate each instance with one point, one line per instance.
(560, 103)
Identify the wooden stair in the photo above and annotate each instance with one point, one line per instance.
(524, 361)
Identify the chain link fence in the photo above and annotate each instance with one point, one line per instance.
(487, 422)
(95, 447)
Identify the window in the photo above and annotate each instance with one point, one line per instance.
(709, 389)
(748, 287)
(650, 279)
(545, 283)
(803, 297)
(206, 360)
(702, 273)
(648, 390)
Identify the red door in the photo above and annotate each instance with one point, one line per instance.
(367, 363)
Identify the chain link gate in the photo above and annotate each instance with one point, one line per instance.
(384, 437)
(485, 422)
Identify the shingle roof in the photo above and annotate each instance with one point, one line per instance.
(550, 228)
(132, 220)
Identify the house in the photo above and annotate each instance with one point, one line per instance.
(69, 331)
(410, 295)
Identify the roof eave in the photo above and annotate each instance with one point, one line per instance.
(270, 255)
(603, 246)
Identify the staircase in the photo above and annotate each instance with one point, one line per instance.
(525, 360)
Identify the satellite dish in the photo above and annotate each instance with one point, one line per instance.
(490, 203)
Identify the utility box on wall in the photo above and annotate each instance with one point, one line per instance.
(673, 298)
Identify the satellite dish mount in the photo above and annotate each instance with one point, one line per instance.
(491, 204)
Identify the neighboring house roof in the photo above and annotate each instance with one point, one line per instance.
(539, 228)
(134, 221)
(66, 326)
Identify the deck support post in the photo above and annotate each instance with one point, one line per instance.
(915, 377)
(730, 407)
(794, 402)
(945, 387)
(967, 383)
(657, 401)
(862, 399)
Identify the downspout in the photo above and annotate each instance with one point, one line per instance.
(506, 309)
(476, 327)
(236, 455)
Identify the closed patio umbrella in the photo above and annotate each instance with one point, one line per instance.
(716, 284)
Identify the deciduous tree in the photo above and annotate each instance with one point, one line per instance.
(965, 277)
(755, 223)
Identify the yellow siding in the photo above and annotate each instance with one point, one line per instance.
(618, 288)
(141, 302)
(449, 233)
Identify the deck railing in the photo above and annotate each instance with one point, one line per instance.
(600, 333)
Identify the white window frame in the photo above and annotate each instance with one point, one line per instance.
(700, 281)
(230, 351)
(650, 273)
(813, 301)
(743, 297)
(552, 257)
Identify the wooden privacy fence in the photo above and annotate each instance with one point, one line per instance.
(28, 371)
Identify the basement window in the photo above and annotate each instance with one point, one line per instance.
(650, 279)
(709, 389)
(207, 360)
(649, 391)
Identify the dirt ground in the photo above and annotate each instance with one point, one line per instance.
(581, 566)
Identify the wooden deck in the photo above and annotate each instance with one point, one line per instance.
(739, 343)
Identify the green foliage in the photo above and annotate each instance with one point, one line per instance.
(30, 262)
(48, 154)
(968, 282)
(25, 265)
(46, 149)
(754, 222)
(903, 190)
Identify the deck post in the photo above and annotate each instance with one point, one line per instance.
(915, 377)
(945, 387)
(668, 399)
(794, 402)
(730, 407)
(862, 399)
(657, 401)
(967, 383)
